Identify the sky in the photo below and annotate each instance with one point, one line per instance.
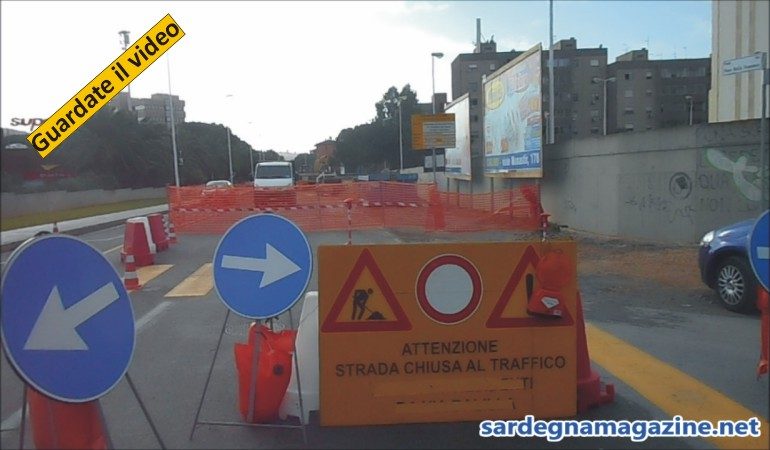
(300, 72)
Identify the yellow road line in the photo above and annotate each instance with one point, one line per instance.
(147, 273)
(197, 284)
(670, 389)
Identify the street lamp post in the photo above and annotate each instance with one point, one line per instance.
(434, 55)
(400, 135)
(229, 149)
(604, 82)
(173, 125)
(689, 99)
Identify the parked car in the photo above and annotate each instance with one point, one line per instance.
(724, 265)
(216, 187)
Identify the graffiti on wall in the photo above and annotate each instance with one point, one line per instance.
(745, 176)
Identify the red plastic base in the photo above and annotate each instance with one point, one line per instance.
(590, 393)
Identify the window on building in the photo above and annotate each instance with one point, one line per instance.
(628, 93)
(474, 101)
(648, 93)
(595, 96)
(595, 130)
(475, 118)
(649, 127)
(594, 63)
(492, 67)
(628, 111)
(472, 66)
(629, 127)
(627, 76)
(649, 112)
(594, 113)
(665, 73)
(574, 97)
(473, 86)
(574, 116)
(648, 75)
(700, 72)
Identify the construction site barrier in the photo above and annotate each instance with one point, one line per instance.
(376, 204)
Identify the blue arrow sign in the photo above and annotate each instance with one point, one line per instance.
(262, 266)
(67, 321)
(759, 249)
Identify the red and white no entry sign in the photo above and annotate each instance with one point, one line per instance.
(449, 289)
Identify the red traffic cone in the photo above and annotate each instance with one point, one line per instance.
(130, 279)
(763, 304)
(59, 425)
(589, 385)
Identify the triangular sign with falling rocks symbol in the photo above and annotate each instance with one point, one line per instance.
(496, 318)
(366, 302)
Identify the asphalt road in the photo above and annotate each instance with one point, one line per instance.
(668, 351)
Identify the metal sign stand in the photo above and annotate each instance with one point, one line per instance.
(252, 390)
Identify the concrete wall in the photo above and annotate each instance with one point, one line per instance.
(21, 204)
(669, 185)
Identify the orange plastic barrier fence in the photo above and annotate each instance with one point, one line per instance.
(377, 204)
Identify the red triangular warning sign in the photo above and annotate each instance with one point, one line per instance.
(496, 319)
(370, 321)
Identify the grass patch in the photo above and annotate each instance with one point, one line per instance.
(11, 223)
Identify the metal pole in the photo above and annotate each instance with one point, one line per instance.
(251, 162)
(433, 104)
(691, 111)
(400, 139)
(551, 100)
(605, 106)
(230, 154)
(173, 126)
(764, 172)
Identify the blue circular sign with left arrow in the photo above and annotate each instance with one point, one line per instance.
(262, 266)
(67, 322)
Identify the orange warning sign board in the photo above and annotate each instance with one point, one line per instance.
(446, 332)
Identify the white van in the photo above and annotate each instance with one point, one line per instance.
(273, 174)
(274, 184)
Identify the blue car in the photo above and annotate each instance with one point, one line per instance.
(724, 265)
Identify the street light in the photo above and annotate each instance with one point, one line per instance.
(229, 149)
(604, 82)
(433, 56)
(400, 134)
(251, 159)
(689, 99)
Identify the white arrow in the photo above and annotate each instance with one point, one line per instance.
(763, 252)
(275, 266)
(55, 326)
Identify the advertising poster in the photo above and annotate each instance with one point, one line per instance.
(458, 159)
(513, 142)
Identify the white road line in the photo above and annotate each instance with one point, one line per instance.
(104, 240)
(112, 249)
(14, 420)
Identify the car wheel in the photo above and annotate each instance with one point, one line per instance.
(735, 284)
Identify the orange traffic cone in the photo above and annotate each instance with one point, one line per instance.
(589, 385)
(763, 304)
(130, 279)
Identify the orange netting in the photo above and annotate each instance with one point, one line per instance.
(376, 204)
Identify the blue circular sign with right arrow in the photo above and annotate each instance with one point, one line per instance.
(262, 266)
(759, 249)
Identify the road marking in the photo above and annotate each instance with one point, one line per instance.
(196, 285)
(670, 389)
(112, 249)
(147, 273)
(14, 420)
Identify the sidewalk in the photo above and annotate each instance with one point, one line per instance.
(7, 238)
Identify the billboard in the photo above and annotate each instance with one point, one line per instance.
(431, 131)
(458, 159)
(513, 139)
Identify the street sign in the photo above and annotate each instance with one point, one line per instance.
(441, 332)
(67, 320)
(742, 64)
(433, 131)
(262, 266)
(759, 249)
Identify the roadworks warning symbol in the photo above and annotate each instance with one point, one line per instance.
(366, 302)
(510, 313)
